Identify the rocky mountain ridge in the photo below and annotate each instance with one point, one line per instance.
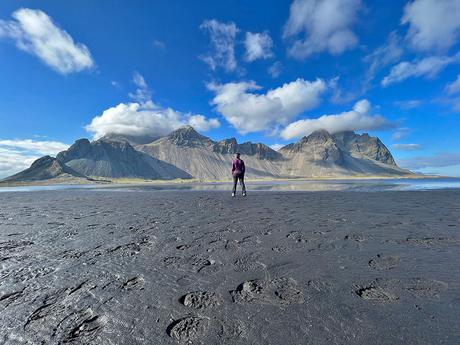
(320, 154)
(115, 158)
(185, 153)
(344, 153)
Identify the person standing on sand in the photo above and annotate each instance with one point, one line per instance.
(238, 170)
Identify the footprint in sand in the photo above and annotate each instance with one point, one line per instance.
(171, 261)
(384, 262)
(374, 293)
(231, 329)
(278, 291)
(188, 328)
(183, 246)
(247, 263)
(320, 286)
(404, 288)
(281, 249)
(86, 327)
(297, 236)
(210, 267)
(431, 241)
(355, 237)
(424, 288)
(200, 300)
(200, 260)
(133, 283)
(25, 274)
(14, 246)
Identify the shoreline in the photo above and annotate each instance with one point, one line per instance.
(141, 182)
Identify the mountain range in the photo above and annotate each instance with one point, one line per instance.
(116, 158)
(185, 154)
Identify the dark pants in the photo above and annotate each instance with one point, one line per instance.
(235, 182)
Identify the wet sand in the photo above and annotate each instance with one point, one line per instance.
(197, 267)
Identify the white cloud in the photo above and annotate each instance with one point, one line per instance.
(19, 154)
(428, 67)
(409, 104)
(433, 24)
(275, 69)
(12, 161)
(200, 123)
(41, 147)
(143, 93)
(35, 32)
(406, 147)
(387, 54)
(338, 93)
(222, 37)
(401, 133)
(139, 81)
(454, 87)
(145, 117)
(252, 112)
(354, 120)
(324, 24)
(258, 46)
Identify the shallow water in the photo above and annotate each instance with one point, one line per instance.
(374, 185)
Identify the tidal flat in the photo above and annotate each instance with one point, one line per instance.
(86, 266)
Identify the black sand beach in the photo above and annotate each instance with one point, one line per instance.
(197, 267)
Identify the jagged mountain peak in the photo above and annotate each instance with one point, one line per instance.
(324, 146)
(318, 135)
(259, 150)
(43, 161)
(231, 140)
(82, 141)
(186, 131)
(188, 136)
(113, 143)
(349, 142)
(364, 145)
(319, 132)
(226, 146)
(116, 158)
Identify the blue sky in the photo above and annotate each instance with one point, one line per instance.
(268, 71)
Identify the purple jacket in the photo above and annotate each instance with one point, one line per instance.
(238, 167)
